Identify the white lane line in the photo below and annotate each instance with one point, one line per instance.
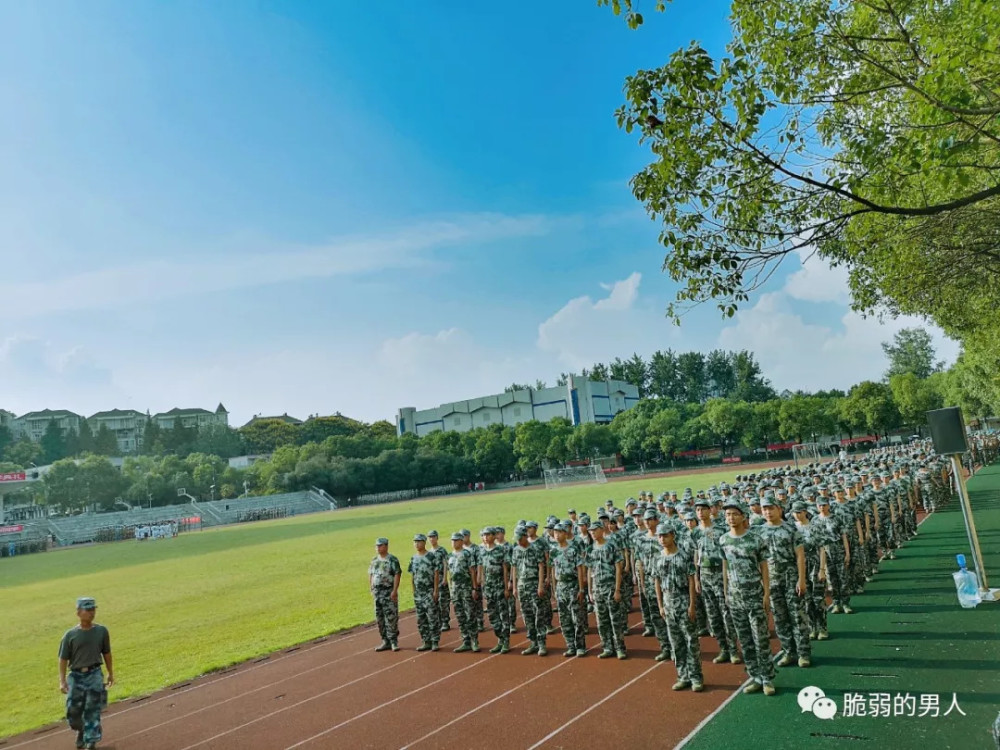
(270, 685)
(487, 703)
(173, 694)
(394, 700)
(587, 710)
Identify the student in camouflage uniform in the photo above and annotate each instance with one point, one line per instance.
(583, 541)
(541, 541)
(444, 593)
(604, 564)
(384, 573)
(813, 541)
(786, 562)
(496, 589)
(476, 555)
(568, 573)
(745, 576)
(838, 547)
(426, 585)
(81, 652)
(639, 536)
(708, 561)
(855, 564)
(885, 520)
(647, 550)
(501, 539)
(690, 519)
(461, 574)
(674, 575)
(528, 564)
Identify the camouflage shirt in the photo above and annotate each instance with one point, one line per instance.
(383, 571)
(460, 566)
(493, 561)
(525, 561)
(423, 568)
(673, 572)
(707, 545)
(743, 556)
(565, 564)
(601, 560)
(782, 541)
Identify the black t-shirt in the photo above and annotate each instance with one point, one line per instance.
(84, 648)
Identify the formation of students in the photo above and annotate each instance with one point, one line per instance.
(711, 562)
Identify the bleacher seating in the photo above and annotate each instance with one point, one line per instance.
(294, 503)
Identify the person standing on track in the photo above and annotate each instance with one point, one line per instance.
(529, 568)
(568, 573)
(426, 585)
(384, 573)
(605, 564)
(745, 577)
(461, 573)
(674, 574)
(444, 594)
(501, 540)
(496, 588)
(81, 651)
(647, 550)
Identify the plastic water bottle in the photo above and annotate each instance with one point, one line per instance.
(967, 584)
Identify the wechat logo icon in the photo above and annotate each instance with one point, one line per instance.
(814, 700)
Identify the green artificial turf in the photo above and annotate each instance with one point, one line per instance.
(908, 635)
(181, 607)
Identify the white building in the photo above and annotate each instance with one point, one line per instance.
(127, 425)
(580, 401)
(33, 424)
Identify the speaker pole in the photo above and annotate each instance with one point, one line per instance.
(985, 592)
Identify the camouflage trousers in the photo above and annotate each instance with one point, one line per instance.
(497, 609)
(886, 531)
(545, 609)
(386, 614)
(628, 591)
(655, 621)
(683, 639)
(927, 496)
(720, 621)
(836, 575)
(858, 568)
(610, 623)
(815, 595)
(789, 610)
(84, 701)
(750, 623)
(645, 608)
(428, 624)
(512, 610)
(871, 550)
(444, 607)
(532, 612)
(479, 611)
(572, 616)
(461, 598)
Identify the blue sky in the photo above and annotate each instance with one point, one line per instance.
(316, 207)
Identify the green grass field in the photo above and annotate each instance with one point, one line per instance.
(181, 607)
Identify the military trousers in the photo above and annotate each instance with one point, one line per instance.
(497, 609)
(750, 622)
(386, 614)
(532, 611)
(428, 622)
(720, 620)
(609, 619)
(84, 702)
(572, 616)
(789, 609)
(683, 639)
(461, 598)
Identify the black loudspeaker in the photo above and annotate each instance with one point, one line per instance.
(947, 430)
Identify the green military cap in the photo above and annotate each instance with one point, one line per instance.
(380, 541)
(419, 538)
(564, 526)
(637, 512)
(466, 532)
(487, 530)
(663, 529)
(531, 525)
(732, 502)
(703, 502)
(571, 511)
(822, 500)
(781, 491)
(689, 515)
(609, 503)
(619, 513)
(86, 602)
(499, 530)
(602, 514)
(631, 501)
(798, 506)
(769, 502)
(584, 519)
(457, 536)
(650, 514)
(549, 525)
(432, 533)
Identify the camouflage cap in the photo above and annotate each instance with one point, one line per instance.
(619, 513)
(380, 541)
(520, 531)
(799, 506)
(732, 502)
(584, 519)
(822, 500)
(602, 515)
(632, 501)
(86, 602)
(499, 530)
(637, 512)
(531, 524)
(703, 502)
(769, 502)
(420, 537)
(650, 514)
(609, 503)
(550, 525)
(432, 533)
(458, 536)
(571, 511)
(663, 529)
(564, 526)
(466, 532)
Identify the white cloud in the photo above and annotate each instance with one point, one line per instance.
(583, 331)
(798, 355)
(818, 281)
(126, 286)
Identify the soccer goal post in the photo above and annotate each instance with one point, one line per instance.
(806, 453)
(593, 474)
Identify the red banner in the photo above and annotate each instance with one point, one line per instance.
(865, 439)
(731, 460)
(13, 476)
(615, 470)
(11, 529)
(781, 446)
